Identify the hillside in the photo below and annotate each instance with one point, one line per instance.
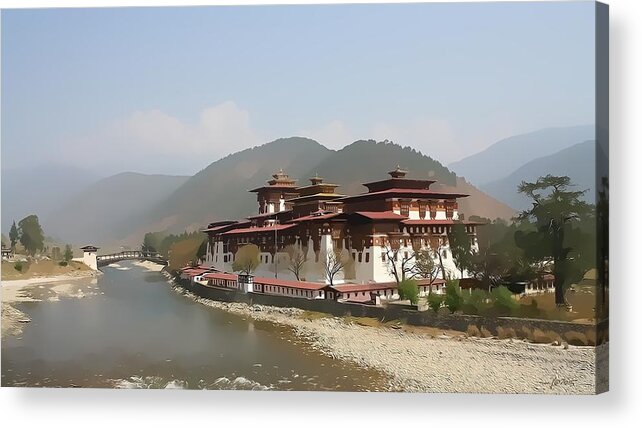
(577, 162)
(503, 157)
(220, 191)
(364, 161)
(107, 209)
(119, 210)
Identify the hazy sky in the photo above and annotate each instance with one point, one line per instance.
(172, 89)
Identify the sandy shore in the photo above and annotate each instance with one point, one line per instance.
(37, 289)
(154, 267)
(420, 362)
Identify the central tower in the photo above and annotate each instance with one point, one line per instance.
(274, 196)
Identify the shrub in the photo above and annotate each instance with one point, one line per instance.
(19, 266)
(62, 263)
(540, 336)
(472, 330)
(485, 332)
(591, 337)
(408, 290)
(435, 301)
(531, 310)
(475, 302)
(525, 333)
(503, 302)
(506, 333)
(576, 338)
(453, 299)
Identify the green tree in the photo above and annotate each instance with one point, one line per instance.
(475, 302)
(554, 210)
(246, 259)
(435, 301)
(14, 235)
(55, 253)
(31, 235)
(453, 299)
(503, 301)
(488, 268)
(68, 254)
(408, 290)
(149, 243)
(460, 247)
(202, 249)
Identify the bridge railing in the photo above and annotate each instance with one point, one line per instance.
(130, 255)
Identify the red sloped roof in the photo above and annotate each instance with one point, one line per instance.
(376, 286)
(221, 275)
(195, 272)
(357, 288)
(314, 217)
(289, 284)
(426, 193)
(381, 215)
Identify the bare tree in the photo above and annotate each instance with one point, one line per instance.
(246, 259)
(437, 245)
(404, 271)
(425, 266)
(333, 264)
(297, 260)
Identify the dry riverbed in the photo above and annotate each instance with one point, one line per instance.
(429, 360)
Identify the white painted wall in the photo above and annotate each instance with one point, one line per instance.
(89, 258)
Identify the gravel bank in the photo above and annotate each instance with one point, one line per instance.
(421, 363)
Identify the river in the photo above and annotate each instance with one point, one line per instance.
(132, 330)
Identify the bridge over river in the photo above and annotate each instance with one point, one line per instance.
(104, 260)
(94, 261)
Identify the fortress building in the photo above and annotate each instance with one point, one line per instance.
(368, 232)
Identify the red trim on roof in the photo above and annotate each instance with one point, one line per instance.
(437, 222)
(376, 286)
(221, 275)
(258, 229)
(380, 215)
(277, 186)
(269, 214)
(407, 193)
(314, 217)
(289, 284)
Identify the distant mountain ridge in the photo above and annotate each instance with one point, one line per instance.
(119, 210)
(505, 156)
(39, 189)
(105, 210)
(576, 162)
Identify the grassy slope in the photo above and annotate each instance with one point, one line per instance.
(42, 268)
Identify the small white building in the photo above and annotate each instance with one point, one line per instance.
(89, 256)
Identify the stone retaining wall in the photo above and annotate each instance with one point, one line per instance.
(412, 317)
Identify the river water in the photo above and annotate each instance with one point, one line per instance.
(133, 330)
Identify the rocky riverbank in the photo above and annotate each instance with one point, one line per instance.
(428, 361)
